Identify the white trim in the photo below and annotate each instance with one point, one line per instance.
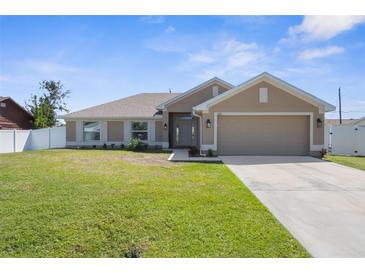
(194, 90)
(104, 131)
(310, 114)
(322, 105)
(151, 128)
(200, 130)
(127, 130)
(79, 127)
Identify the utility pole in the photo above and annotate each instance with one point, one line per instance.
(169, 90)
(339, 103)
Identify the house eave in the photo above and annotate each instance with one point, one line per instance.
(192, 91)
(322, 105)
(111, 118)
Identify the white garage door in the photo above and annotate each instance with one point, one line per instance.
(263, 135)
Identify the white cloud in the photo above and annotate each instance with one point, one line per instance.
(4, 78)
(323, 27)
(224, 59)
(171, 43)
(170, 29)
(48, 67)
(152, 19)
(320, 52)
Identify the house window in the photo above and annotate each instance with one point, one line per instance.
(140, 130)
(264, 98)
(215, 91)
(92, 131)
(3, 105)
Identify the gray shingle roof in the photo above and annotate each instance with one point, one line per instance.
(139, 105)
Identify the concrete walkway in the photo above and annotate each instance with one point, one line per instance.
(321, 203)
(182, 155)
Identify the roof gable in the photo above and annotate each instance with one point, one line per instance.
(267, 77)
(194, 90)
(7, 98)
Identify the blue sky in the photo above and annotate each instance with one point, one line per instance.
(102, 58)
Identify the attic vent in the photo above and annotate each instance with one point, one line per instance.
(3, 105)
(264, 98)
(215, 91)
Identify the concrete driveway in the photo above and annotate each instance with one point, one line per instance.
(321, 203)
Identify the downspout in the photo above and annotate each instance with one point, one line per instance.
(200, 132)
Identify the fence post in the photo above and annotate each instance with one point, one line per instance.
(14, 141)
(49, 138)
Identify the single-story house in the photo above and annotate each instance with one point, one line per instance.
(335, 122)
(346, 122)
(262, 116)
(13, 115)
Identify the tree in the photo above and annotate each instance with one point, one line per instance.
(44, 107)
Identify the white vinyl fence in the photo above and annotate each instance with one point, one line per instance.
(20, 140)
(346, 140)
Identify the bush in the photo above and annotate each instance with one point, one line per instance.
(323, 152)
(210, 153)
(104, 146)
(122, 146)
(194, 151)
(112, 146)
(136, 145)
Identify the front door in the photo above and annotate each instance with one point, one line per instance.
(184, 130)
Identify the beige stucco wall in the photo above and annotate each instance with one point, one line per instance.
(159, 131)
(186, 104)
(248, 101)
(115, 131)
(70, 131)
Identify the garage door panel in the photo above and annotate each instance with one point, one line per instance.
(263, 135)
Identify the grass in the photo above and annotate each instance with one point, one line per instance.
(351, 161)
(93, 203)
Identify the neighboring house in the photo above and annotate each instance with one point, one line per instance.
(360, 122)
(335, 122)
(263, 116)
(355, 122)
(14, 116)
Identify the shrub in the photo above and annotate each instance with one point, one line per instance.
(136, 145)
(194, 151)
(323, 152)
(112, 146)
(210, 153)
(104, 146)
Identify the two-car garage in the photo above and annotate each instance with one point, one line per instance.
(263, 135)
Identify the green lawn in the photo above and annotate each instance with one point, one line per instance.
(351, 161)
(94, 203)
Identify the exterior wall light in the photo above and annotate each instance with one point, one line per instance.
(209, 124)
(165, 126)
(319, 123)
